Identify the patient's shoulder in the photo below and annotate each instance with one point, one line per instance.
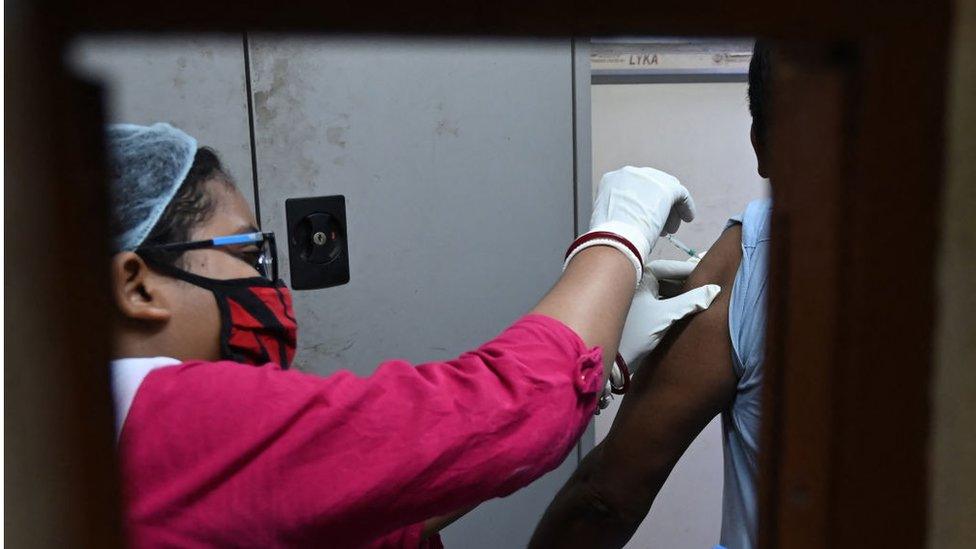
(720, 263)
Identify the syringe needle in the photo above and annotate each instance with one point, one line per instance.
(681, 245)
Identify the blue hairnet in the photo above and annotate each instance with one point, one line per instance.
(147, 165)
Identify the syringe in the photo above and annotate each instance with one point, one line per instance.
(681, 245)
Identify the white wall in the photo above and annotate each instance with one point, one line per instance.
(699, 133)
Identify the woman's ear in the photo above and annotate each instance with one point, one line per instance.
(137, 290)
(760, 152)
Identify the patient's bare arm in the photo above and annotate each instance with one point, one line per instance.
(677, 391)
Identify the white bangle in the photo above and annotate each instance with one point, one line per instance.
(638, 268)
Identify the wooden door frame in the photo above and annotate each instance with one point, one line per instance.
(858, 174)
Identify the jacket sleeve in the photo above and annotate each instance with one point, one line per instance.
(350, 459)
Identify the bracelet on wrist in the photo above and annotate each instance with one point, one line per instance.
(613, 240)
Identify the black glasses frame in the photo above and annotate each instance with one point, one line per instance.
(258, 238)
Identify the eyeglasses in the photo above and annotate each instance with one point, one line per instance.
(257, 249)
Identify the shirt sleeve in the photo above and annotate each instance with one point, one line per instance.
(747, 306)
(283, 457)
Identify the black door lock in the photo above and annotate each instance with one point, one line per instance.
(317, 245)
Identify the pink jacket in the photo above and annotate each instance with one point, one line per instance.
(223, 454)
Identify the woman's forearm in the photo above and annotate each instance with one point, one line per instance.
(593, 297)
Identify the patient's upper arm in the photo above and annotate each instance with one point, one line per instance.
(676, 392)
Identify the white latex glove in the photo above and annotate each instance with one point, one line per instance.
(639, 205)
(650, 317)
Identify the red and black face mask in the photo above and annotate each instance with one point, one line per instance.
(257, 322)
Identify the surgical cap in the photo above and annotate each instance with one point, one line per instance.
(147, 165)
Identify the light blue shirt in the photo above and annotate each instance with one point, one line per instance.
(740, 422)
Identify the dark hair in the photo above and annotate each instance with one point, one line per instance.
(191, 206)
(759, 89)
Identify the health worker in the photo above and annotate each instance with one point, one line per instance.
(221, 444)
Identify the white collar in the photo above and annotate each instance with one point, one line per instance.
(127, 376)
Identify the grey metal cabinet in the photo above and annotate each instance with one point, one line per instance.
(456, 161)
(194, 83)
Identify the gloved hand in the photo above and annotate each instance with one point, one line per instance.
(650, 317)
(633, 207)
(671, 274)
(641, 204)
(674, 270)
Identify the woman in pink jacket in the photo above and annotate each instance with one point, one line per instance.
(222, 445)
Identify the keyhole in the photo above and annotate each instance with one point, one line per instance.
(319, 238)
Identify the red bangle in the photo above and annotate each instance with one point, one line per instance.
(607, 235)
(622, 364)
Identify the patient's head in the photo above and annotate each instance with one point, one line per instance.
(760, 80)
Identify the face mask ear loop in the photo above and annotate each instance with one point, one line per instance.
(173, 271)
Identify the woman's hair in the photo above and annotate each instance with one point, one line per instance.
(191, 206)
